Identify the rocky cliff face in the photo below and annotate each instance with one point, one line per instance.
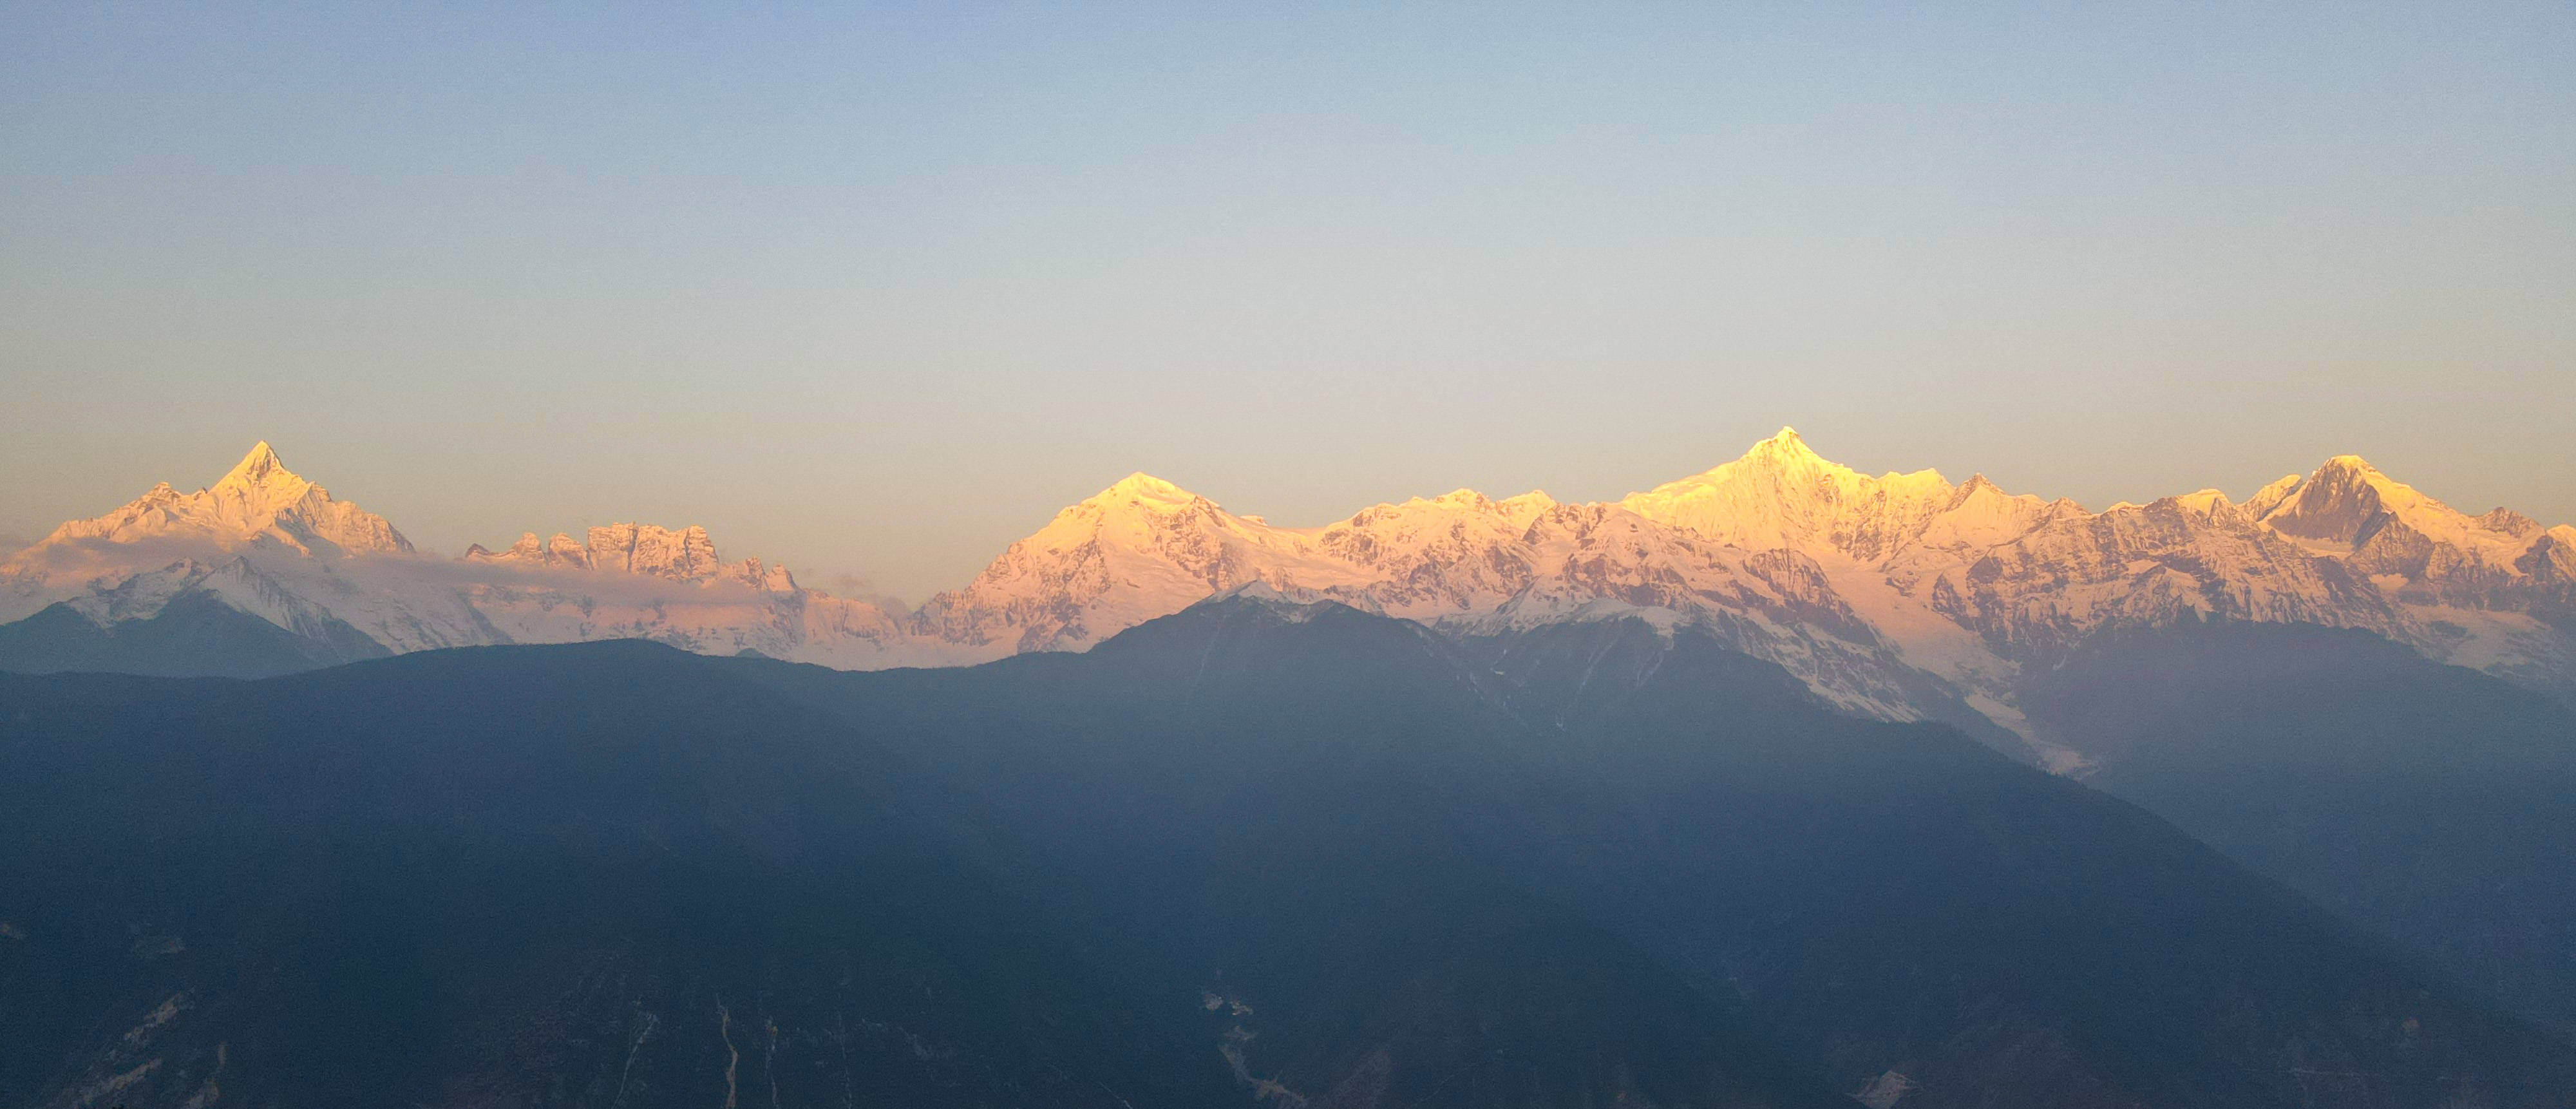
(685, 555)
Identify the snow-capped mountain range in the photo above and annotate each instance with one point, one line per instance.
(1898, 596)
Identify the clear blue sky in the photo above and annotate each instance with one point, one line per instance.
(880, 292)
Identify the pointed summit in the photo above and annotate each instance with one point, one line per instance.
(2340, 503)
(1783, 444)
(2272, 496)
(1782, 494)
(258, 502)
(2349, 503)
(260, 491)
(257, 467)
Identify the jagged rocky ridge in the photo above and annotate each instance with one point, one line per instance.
(1899, 596)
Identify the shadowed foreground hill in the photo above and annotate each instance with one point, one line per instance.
(617, 875)
(1907, 908)
(2433, 803)
(1255, 853)
(593, 876)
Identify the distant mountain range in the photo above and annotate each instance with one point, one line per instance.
(1459, 801)
(1899, 597)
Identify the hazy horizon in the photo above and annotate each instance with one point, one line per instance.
(877, 294)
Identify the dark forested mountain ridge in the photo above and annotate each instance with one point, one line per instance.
(616, 874)
(598, 876)
(2432, 803)
(1910, 909)
(1257, 852)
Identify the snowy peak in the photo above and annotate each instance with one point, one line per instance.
(1143, 488)
(1787, 448)
(259, 490)
(259, 502)
(2551, 556)
(1783, 457)
(2507, 522)
(2348, 505)
(257, 468)
(1865, 586)
(1139, 503)
(1145, 548)
(1976, 486)
(1141, 510)
(561, 551)
(1139, 549)
(1782, 494)
(2207, 504)
(1980, 515)
(685, 555)
(2271, 496)
(2343, 502)
(1525, 507)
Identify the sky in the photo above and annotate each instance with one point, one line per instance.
(876, 290)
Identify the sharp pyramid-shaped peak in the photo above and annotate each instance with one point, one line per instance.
(259, 501)
(261, 457)
(261, 467)
(2348, 501)
(1783, 452)
(1785, 440)
(1978, 484)
(259, 491)
(2347, 477)
(2339, 503)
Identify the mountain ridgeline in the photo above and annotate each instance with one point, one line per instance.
(1899, 597)
(1261, 852)
(1777, 785)
(2434, 804)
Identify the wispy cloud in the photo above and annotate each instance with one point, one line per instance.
(92, 557)
(92, 554)
(605, 586)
